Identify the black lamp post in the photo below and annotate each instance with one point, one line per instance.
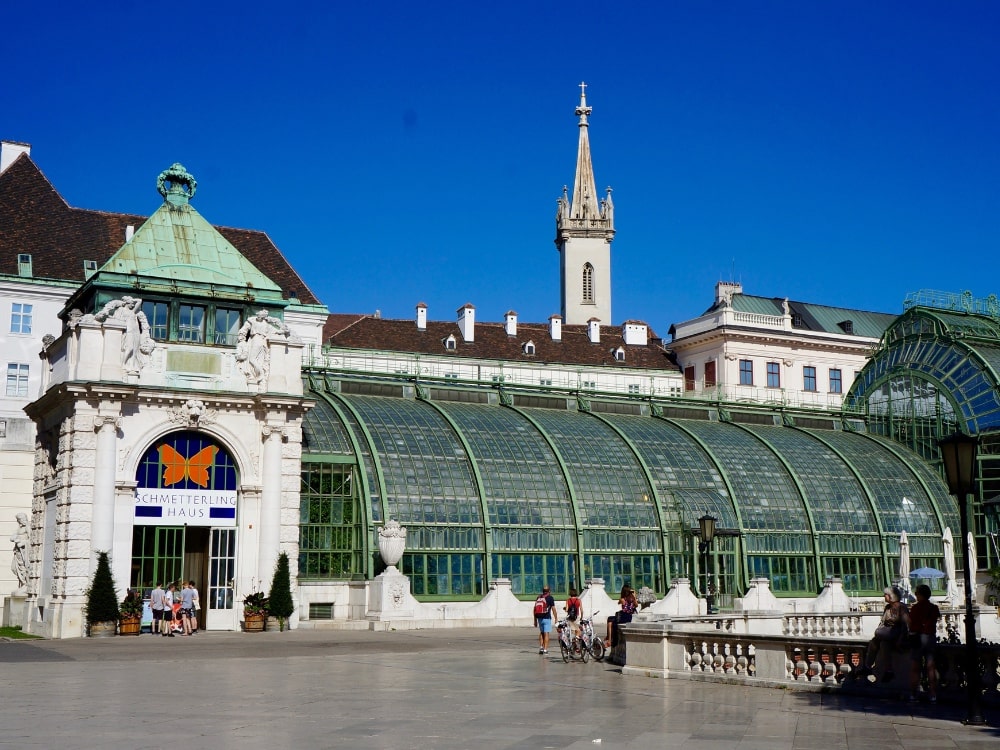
(958, 451)
(706, 531)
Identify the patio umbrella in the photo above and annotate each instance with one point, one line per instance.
(927, 573)
(904, 564)
(952, 599)
(970, 553)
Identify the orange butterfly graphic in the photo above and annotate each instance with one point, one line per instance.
(176, 467)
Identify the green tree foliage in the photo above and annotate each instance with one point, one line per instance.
(280, 598)
(102, 601)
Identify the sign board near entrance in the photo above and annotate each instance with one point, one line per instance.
(169, 507)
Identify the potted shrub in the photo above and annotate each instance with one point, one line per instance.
(130, 622)
(254, 612)
(101, 610)
(279, 603)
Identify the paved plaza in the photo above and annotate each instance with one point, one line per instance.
(469, 688)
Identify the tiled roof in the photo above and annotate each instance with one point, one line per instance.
(35, 219)
(812, 317)
(492, 342)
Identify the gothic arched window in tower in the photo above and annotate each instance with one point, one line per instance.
(588, 284)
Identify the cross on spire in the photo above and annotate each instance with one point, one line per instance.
(583, 110)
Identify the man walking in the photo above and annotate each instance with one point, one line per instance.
(545, 613)
(156, 606)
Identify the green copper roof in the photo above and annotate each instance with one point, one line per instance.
(178, 244)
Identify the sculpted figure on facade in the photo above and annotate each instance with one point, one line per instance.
(251, 346)
(137, 344)
(19, 563)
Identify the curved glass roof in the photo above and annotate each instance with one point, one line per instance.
(489, 477)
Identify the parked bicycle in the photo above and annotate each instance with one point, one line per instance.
(593, 642)
(571, 646)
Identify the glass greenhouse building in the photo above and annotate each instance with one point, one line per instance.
(542, 487)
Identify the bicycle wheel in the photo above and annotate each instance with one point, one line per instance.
(563, 650)
(597, 649)
(584, 649)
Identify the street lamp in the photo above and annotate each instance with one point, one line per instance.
(958, 452)
(706, 531)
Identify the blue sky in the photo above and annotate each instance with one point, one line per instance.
(844, 153)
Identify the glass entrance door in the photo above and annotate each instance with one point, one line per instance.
(219, 612)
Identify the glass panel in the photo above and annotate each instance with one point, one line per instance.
(227, 326)
(157, 315)
(191, 324)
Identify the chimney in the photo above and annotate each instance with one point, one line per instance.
(555, 327)
(129, 232)
(725, 290)
(10, 150)
(467, 322)
(634, 332)
(421, 316)
(510, 323)
(594, 330)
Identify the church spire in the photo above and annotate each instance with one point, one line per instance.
(585, 226)
(585, 204)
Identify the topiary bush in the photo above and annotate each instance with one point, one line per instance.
(280, 603)
(102, 601)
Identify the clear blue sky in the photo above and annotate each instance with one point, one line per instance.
(844, 153)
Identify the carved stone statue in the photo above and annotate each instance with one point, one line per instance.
(251, 346)
(19, 564)
(136, 343)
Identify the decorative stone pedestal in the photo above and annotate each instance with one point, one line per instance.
(15, 611)
(389, 596)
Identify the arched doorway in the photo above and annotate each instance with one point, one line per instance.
(184, 526)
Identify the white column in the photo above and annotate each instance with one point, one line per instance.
(270, 505)
(102, 533)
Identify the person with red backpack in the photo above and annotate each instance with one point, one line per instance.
(574, 611)
(545, 613)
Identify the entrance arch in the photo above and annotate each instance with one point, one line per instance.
(185, 520)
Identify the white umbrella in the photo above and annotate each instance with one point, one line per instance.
(951, 595)
(970, 553)
(904, 564)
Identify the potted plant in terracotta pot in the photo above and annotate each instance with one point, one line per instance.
(130, 610)
(101, 610)
(254, 612)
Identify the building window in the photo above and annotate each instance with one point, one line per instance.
(836, 382)
(809, 378)
(774, 375)
(451, 376)
(634, 388)
(158, 317)
(20, 318)
(529, 348)
(330, 530)
(710, 374)
(589, 385)
(450, 343)
(545, 381)
(746, 372)
(689, 378)
(588, 284)
(227, 326)
(17, 380)
(619, 354)
(191, 324)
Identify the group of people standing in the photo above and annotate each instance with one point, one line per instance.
(545, 614)
(911, 627)
(174, 612)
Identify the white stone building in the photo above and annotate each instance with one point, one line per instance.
(773, 350)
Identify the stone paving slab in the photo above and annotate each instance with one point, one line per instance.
(468, 688)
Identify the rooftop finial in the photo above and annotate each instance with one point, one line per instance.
(583, 110)
(176, 185)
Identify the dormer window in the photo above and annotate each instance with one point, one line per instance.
(619, 354)
(450, 343)
(528, 347)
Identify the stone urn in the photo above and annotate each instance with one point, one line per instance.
(391, 542)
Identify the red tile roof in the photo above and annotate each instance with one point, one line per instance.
(35, 219)
(492, 342)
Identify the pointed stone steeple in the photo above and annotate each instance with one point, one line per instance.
(584, 229)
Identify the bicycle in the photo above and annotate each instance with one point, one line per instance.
(570, 646)
(594, 643)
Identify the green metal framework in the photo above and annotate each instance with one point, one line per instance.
(936, 371)
(490, 487)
